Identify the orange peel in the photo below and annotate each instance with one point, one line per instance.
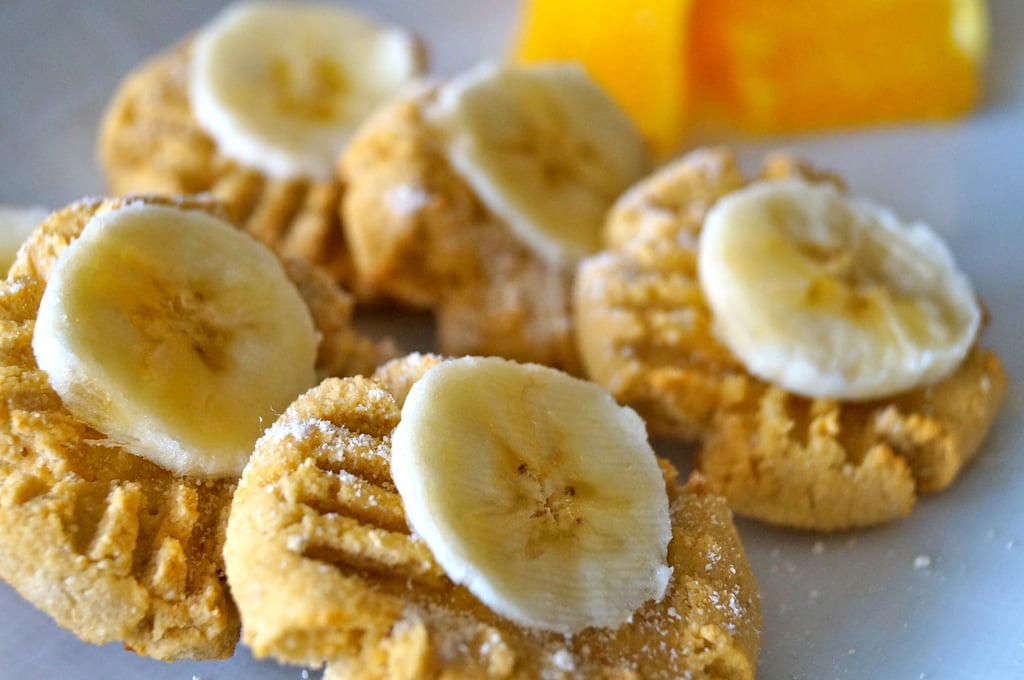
(788, 65)
(767, 66)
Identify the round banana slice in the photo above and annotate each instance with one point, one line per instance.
(833, 296)
(544, 147)
(175, 335)
(535, 490)
(282, 86)
(16, 223)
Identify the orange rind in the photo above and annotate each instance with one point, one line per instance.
(768, 66)
(791, 65)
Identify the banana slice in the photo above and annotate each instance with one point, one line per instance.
(174, 334)
(282, 86)
(535, 490)
(545, 148)
(833, 296)
(16, 223)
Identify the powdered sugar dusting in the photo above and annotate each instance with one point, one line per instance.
(287, 430)
(563, 660)
(404, 200)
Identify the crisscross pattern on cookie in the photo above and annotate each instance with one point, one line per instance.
(109, 545)
(325, 569)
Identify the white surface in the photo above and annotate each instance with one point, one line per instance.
(939, 595)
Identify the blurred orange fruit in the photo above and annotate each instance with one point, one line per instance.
(782, 65)
(636, 49)
(767, 65)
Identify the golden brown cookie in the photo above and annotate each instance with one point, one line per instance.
(149, 141)
(111, 546)
(324, 568)
(644, 332)
(420, 235)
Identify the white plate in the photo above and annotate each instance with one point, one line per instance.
(939, 595)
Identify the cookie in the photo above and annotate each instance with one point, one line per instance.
(111, 546)
(644, 330)
(420, 235)
(324, 567)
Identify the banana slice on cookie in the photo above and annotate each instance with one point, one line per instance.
(282, 86)
(175, 335)
(833, 296)
(545, 148)
(545, 500)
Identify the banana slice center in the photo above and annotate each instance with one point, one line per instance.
(311, 91)
(556, 508)
(168, 317)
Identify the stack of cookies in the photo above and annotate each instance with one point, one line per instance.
(199, 447)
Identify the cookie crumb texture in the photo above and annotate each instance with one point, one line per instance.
(324, 568)
(111, 546)
(644, 332)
